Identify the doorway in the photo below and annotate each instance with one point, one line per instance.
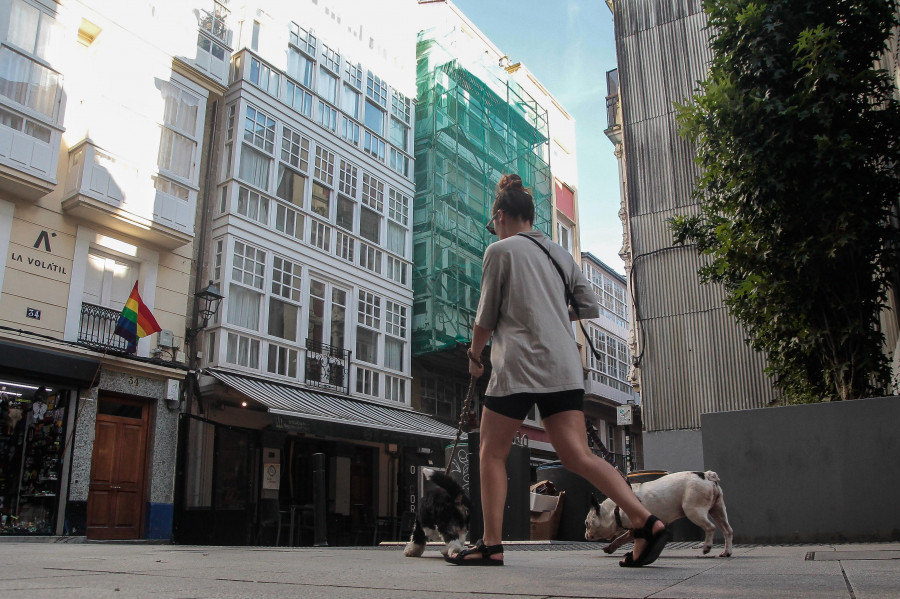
(118, 469)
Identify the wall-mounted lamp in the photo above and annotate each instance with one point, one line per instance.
(208, 301)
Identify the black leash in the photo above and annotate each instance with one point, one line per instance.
(462, 415)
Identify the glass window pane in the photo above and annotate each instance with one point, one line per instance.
(327, 86)
(350, 102)
(369, 225)
(243, 307)
(338, 317)
(316, 318)
(254, 167)
(345, 213)
(321, 198)
(366, 345)
(374, 119)
(398, 134)
(283, 319)
(300, 67)
(396, 241)
(291, 185)
(393, 353)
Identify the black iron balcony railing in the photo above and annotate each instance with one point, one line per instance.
(97, 327)
(612, 98)
(612, 117)
(327, 366)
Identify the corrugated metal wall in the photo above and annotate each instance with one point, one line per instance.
(694, 357)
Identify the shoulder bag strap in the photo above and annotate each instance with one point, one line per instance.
(570, 297)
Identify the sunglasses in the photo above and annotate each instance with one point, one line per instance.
(490, 225)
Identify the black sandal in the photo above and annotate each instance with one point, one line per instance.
(486, 552)
(655, 544)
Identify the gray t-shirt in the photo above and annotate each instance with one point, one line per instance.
(523, 301)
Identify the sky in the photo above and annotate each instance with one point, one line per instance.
(569, 46)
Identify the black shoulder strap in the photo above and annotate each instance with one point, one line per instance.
(570, 297)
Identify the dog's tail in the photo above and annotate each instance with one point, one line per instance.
(445, 482)
(711, 476)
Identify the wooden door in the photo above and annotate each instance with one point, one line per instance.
(118, 470)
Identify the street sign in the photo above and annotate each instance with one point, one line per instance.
(623, 415)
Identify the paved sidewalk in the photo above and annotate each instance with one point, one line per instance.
(107, 570)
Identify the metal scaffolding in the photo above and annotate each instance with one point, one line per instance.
(473, 124)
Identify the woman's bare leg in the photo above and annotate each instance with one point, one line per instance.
(497, 432)
(569, 437)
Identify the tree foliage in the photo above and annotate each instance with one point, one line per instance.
(798, 143)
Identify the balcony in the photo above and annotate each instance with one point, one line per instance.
(601, 385)
(327, 366)
(612, 98)
(106, 191)
(28, 156)
(97, 328)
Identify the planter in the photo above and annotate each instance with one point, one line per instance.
(827, 472)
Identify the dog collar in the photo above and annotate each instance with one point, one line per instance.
(619, 519)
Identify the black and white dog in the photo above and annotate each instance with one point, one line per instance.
(443, 515)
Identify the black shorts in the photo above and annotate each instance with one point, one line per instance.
(519, 404)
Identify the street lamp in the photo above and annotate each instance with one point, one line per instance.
(208, 301)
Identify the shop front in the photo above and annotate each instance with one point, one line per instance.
(251, 464)
(38, 398)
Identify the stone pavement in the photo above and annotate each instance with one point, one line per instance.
(533, 571)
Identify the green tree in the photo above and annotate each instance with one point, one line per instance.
(798, 142)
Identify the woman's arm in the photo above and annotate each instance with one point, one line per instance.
(480, 337)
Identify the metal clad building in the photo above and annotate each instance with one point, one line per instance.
(693, 357)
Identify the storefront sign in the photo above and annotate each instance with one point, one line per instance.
(290, 424)
(623, 415)
(271, 469)
(40, 251)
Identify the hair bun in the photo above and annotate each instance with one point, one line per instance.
(510, 182)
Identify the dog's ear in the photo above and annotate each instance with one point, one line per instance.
(595, 503)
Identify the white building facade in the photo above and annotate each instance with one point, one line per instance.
(607, 387)
(103, 112)
(311, 229)
(309, 240)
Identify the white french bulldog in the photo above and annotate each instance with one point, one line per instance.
(696, 496)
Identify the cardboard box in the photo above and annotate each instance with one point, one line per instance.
(543, 503)
(545, 525)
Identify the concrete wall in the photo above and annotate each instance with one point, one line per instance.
(673, 450)
(809, 473)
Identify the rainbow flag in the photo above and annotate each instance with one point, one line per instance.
(136, 321)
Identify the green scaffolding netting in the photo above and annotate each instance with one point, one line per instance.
(474, 123)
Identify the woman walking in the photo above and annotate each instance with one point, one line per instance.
(536, 361)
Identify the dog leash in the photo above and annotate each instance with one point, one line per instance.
(462, 416)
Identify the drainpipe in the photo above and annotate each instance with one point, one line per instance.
(204, 239)
(191, 380)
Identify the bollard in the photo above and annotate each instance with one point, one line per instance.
(320, 534)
